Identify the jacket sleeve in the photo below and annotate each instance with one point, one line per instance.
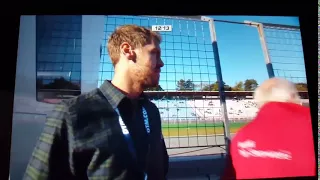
(49, 159)
(165, 156)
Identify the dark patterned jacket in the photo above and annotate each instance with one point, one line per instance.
(82, 139)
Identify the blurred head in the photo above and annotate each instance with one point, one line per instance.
(276, 90)
(135, 50)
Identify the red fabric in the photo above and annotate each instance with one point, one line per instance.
(278, 127)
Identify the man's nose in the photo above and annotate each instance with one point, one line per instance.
(160, 64)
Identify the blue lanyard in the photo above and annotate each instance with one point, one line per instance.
(127, 136)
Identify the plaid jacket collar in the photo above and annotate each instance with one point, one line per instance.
(114, 95)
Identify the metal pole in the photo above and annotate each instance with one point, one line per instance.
(219, 77)
(264, 46)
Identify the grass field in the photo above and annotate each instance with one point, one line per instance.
(194, 129)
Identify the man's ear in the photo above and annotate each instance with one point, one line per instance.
(127, 50)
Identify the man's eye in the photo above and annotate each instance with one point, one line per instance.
(155, 53)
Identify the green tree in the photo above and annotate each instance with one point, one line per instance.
(157, 88)
(239, 86)
(250, 84)
(60, 83)
(227, 87)
(200, 86)
(215, 87)
(180, 85)
(190, 86)
(39, 84)
(183, 85)
(211, 87)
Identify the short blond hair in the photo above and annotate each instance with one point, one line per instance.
(276, 90)
(136, 36)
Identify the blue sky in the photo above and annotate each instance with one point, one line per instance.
(187, 51)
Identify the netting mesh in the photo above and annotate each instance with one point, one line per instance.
(286, 53)
(186, 51)
(188, 56)
(58, 56)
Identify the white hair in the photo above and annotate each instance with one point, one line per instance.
(276, 90)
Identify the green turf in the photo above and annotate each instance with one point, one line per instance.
(194, 129)
(201, 125)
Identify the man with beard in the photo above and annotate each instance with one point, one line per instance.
(112, 132)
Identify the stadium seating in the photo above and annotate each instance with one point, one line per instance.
(190, 110)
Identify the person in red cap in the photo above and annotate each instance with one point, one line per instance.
(278, 142)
